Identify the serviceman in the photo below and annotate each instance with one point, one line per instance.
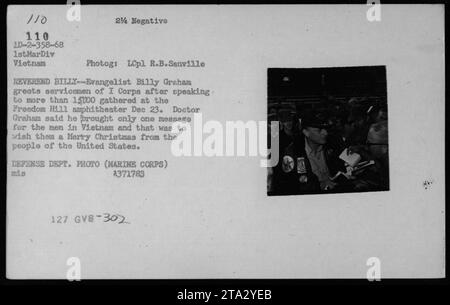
(376, 148)
(309, 161)
(287, 119)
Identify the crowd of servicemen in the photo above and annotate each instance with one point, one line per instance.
(312, 137)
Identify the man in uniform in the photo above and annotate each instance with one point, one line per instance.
(309, 161)
(286, 117)
(376, 177)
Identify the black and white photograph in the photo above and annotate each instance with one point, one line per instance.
(220, 147)
(333, 130)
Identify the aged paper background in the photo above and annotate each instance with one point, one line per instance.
(211, 217)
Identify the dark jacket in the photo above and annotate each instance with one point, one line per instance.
(299, 178)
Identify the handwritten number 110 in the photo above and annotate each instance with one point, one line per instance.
(43, 19)
(44, 36)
